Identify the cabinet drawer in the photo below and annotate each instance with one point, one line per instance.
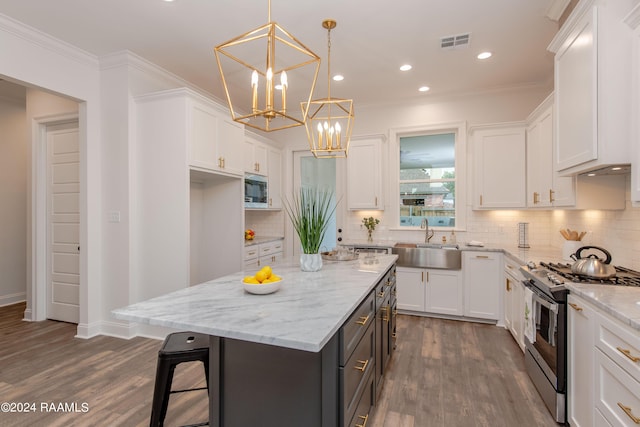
(251, 252)
(364, 409)
(267, 249)
(252, 265)
(355, 327)
(618, 394)
(620, 344)
(357, 369)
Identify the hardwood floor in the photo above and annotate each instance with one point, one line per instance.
(444, 373)
(452, 373)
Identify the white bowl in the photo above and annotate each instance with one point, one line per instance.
(262, 288)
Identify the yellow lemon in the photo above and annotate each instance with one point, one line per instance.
(246, 278)
(275, 278)
(251, 280)
(266, 270)
(268, 280)
(260, 276)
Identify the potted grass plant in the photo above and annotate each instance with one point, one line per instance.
(310, 211)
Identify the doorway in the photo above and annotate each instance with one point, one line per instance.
(320, 173)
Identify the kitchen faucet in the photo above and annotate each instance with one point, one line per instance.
(427, 235)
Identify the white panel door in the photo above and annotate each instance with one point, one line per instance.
(63, 266)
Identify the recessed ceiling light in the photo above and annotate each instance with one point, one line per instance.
(484, 55)
(617, 168)
(338, 77)
(424, 88)
(591, 174)
(405, 67)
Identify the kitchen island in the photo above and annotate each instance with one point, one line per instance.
(313, 353)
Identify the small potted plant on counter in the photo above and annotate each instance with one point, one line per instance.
(310, 211)
(370, 223)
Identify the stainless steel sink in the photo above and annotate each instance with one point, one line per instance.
(447, 257)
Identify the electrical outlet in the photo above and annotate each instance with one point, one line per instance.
(114, 216)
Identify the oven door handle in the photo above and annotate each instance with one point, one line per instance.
(543, 300)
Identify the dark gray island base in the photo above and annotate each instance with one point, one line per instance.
(256, 384)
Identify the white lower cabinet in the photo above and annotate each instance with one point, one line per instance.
(580, 362)
(472, 292)
(429, 290)
(604, 368)
(514, 301)
(257, 256)
(482, 278)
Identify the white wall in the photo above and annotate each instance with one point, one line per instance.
(13, 200)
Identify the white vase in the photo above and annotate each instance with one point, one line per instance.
(310, 262)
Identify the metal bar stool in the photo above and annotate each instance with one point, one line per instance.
(177, 348)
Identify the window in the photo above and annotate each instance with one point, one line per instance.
(430, 173)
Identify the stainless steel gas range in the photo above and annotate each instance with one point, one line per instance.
(546, 352)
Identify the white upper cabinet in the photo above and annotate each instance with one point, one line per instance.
(215, 142)
(544, 187)
(592, 79)
(499, 152)
(364, 177)
(255, 157)
(633, 20)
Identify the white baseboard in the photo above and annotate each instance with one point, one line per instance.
(28, 315)
(12, 299)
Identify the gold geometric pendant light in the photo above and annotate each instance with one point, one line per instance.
(329, 121)
(261, 70)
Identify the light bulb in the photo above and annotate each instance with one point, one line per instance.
(283, 79)
(254, 79)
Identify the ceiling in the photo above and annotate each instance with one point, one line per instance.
(372, 39)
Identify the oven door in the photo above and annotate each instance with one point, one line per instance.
(549, 348)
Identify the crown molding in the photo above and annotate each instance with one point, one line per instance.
(556, 8)
(43, 40)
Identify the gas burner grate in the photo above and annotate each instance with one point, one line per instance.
(624, 276)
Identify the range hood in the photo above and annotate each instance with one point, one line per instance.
(609, 170)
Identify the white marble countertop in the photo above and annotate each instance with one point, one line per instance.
(262, 239)
(621, 302)
(304, 314)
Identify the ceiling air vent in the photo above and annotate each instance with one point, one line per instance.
(455, 42)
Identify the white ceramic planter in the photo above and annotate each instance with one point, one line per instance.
(310, 262)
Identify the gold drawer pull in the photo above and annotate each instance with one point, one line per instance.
(482, 256)
(576, 307)
(627, 410)
(363, 320)
(365, 418)
(385, 313)
(628, 354)
(380, 294)
(364, 365)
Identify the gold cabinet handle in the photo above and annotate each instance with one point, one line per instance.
(628, 354)
(536, 198)
(380, 294)
(576, 307)
(427, 276)
(365, 418)
(481, 200)
(363, 320)
(551, 198)
(508, 282)
(376, 205)
(627, 410)
(482, 256)
(385, 314)
(364, 365)
(219, 162)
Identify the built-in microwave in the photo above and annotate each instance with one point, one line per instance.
(255, 191)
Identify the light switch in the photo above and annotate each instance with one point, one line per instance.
(114, 216)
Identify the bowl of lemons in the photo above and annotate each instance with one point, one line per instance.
(263, 282)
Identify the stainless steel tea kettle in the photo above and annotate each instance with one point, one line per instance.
(592, 266)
